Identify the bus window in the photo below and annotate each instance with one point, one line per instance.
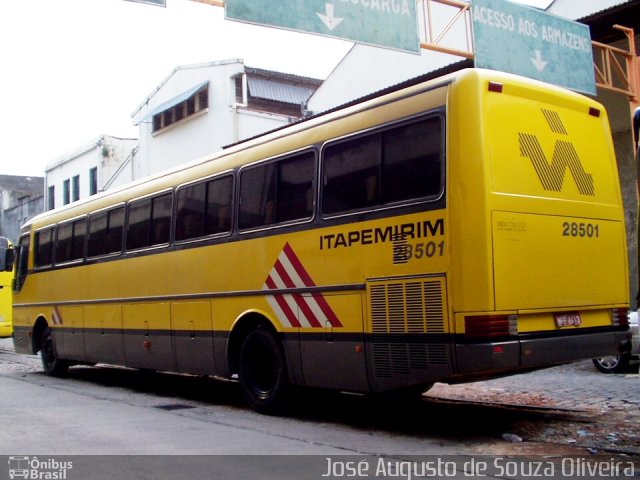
(204, 208)
(218, 215)
(64, 233)
(77, 241)
(97, 234)
(411, 161)
(44, 247)
(70, 241)
(115, 230)
(22, 262)
(6, 255)
(395, 165)
(191, 210)
(149, 222)
(138, 224)
(161, 219)
(277, 192)
(105, 232)
(351, 175)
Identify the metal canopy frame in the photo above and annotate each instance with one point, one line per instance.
(615, 69)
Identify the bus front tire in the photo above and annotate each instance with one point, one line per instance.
(263, 372)
(51, 364)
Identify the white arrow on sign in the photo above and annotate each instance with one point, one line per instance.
(538, 62)
(329, 18)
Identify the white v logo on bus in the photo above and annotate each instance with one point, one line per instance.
(551, 174)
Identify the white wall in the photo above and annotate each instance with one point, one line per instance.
(252, 123)
(194, 136)
(366, 70)
(115, 166)
(204, 133)
(105, 153)
(65, 169)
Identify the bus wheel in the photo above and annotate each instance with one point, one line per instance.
(50, 362)
(263, 372)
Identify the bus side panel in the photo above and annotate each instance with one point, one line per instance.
(147, 336)
(336, 360)
(23, 330)
(192, 337)
(104, 343)
(72, 329)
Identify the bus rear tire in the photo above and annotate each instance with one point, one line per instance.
(51, 364)
(263, 372)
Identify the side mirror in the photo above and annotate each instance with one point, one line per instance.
(7, 256)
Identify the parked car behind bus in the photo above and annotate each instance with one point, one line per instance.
(620, 363)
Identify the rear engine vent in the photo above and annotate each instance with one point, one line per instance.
(407, 307)
(408, 324)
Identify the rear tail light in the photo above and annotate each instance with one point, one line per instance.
(491, 326)
(620, 317)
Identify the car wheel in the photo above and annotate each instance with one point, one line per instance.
(613, 364)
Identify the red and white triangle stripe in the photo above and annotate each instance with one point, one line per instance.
(56, 316)
(297, 309)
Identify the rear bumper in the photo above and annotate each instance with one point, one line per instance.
(534, 352)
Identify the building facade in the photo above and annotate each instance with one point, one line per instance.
(104, 162)
(198, 109)
(20, 199)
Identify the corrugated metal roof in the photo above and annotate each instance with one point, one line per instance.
(260, 87)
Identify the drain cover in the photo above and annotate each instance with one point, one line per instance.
(174, 406)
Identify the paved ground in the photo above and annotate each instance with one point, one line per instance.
(600, 412)
(576, 385)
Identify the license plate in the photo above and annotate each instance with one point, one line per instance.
(570, 319)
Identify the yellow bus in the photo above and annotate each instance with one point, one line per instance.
(453, 229)
(6, 276)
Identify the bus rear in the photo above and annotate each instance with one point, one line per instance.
(539, 262)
